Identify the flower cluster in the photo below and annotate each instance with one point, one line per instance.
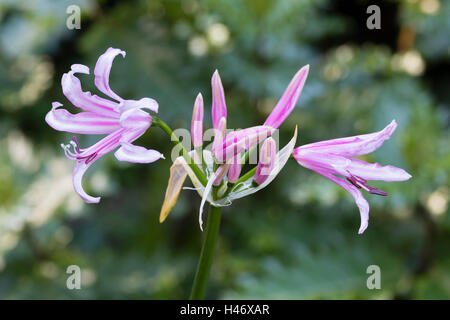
(217, 169)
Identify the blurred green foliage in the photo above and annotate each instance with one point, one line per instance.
(295, 239)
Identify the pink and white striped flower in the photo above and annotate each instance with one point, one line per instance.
(123, 121)
(333, 158)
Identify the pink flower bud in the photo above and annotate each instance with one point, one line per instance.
(266, 161)
(220, 174)
(219, 107)
(197, 122)
(235, 169)
(289, 99)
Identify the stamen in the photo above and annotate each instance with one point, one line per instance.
(362, 183)
(76, 145)
(376, 191)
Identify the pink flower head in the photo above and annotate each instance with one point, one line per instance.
(197, 122)
(334, 158)
(289, 99)
(123, 121)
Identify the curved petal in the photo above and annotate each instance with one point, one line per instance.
(73, 91)
(354, 146)
(83, 122)
(374, 171)
(219, 107)
(77, 176)
(144, 103)
(136, 154)
(360, 201)
(135, 119)
(102, 70)
(289, 99)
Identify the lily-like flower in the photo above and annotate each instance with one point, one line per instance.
(333, 158)
(266, 161)
(197, 122)
(123, 121)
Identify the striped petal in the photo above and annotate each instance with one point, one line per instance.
(135, 119)
(73, 91)
(83, 122)
(136, 154)
(356, 145)
(360, 201)
(144, 103)
(77, 177)
(102, 70)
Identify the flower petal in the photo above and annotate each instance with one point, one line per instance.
(102, 70)
(219, 107)
(361, 202)
(83, 122)
(289, 99)
(135, 119)
(144, 103)
(73, 91)
(136, 154)
(346, 167)
(356, 145)
(374, 171)
(77, 176)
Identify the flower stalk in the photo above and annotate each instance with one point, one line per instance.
(207, 254)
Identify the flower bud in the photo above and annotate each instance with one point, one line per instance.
(219, 107)
(235, 169)
(197, 122)
(266, 161)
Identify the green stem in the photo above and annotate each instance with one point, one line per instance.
(206, 255)
(197, 171)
